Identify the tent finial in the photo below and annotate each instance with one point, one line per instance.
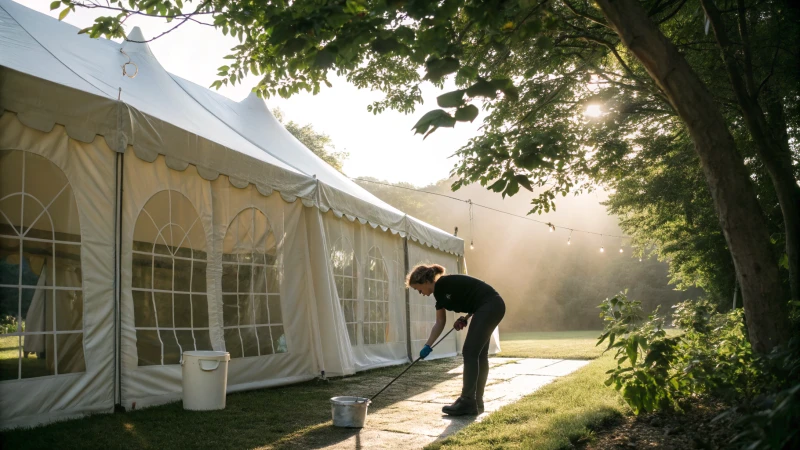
(136, 42)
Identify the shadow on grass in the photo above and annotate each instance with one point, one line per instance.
(289, 416)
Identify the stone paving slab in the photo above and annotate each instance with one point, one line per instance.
(418, 420)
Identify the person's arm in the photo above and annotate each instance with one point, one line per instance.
(438, 327)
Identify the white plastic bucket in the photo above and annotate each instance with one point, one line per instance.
(205, 380)
(349, 412)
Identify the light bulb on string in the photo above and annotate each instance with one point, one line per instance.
(602, 247)
(471, 245)
(620, 249)
(569, 239)
(552, 227)
(640, 259)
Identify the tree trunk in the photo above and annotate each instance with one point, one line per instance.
(740, 215)
(775, 154)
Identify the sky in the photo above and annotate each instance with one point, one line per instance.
(381, 146)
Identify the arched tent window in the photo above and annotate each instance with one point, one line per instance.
(251, 295)
(376, 299)
(169, 280)
(346, 276)
(41, 296)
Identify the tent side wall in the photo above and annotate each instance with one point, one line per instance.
(44, 384)
(206, 265)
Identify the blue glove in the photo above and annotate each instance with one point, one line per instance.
(425, 351)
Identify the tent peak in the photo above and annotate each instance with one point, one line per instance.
(254, 102)
(135, 42)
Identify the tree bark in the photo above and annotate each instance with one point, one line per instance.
(740, 215)
(773, 153)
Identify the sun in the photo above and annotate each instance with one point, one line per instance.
(593, 111)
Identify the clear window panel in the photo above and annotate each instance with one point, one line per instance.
(144, 314)
(200, 311)
(142, 271)
(68, 265)
(182, 275)
(162, 276)
(262, 311)
(264, 340)
(279, 339)
(70, 353)
(183, 311)
(40, 364)
(233, 343)
(9, 355)
(229, 274)
(172, 352)
(202, 339)
(163, 309)
(230, 310)
(245, 277)
(246, 310)
(185, 339)
(275, 314)
(148, 347)
(249, 341)
(69, 310)
(198, 276)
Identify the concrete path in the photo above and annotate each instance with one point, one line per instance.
(418, 421)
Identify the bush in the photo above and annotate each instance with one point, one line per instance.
(8, 324)
(711, 357)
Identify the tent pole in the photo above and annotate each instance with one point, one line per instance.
(408, 300)
(117, 285)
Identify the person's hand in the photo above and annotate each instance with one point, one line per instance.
(425, 351)
(461, 323)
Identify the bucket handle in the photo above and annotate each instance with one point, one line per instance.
(209, 364)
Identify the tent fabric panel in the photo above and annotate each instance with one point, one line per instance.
(423, 311)
(285, 222)
(380, 332)
(142, 182)
(431, 236)
(89, 168)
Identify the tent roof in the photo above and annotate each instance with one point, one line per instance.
(85, 89)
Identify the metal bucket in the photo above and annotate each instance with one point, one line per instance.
(349, 412)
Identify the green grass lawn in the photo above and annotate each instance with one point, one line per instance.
(554, 345)
(298, 416)
(557, 416)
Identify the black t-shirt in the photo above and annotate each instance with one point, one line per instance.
(461, 293)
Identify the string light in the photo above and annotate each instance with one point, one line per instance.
(620, 249)
(569, 239)
(552, 227)
(602, 247)
(471, 232)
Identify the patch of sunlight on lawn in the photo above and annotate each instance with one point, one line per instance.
(551, 345)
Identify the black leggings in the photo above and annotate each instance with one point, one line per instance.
(476, 346)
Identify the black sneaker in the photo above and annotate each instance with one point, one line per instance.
(479, 403)
(462, 407)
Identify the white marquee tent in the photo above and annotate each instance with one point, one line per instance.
(144, 216)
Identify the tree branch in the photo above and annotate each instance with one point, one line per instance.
(586, 16)
(748, 60)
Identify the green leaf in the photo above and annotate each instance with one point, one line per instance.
(451, 99)
(436, 118)
(467, 113)
(524, 181)
(498, 186)
(632, 350)
(64, 13)
(55, 5)
(384, 46)
(438, 68)
(467, 72)
(482, 88)
(507, 87)
(325, 59)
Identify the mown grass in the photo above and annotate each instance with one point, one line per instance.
(298, 416)
(557, 416)
(553, 345)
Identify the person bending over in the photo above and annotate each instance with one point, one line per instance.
(462, 294)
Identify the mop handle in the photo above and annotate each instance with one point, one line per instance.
(412, 364)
